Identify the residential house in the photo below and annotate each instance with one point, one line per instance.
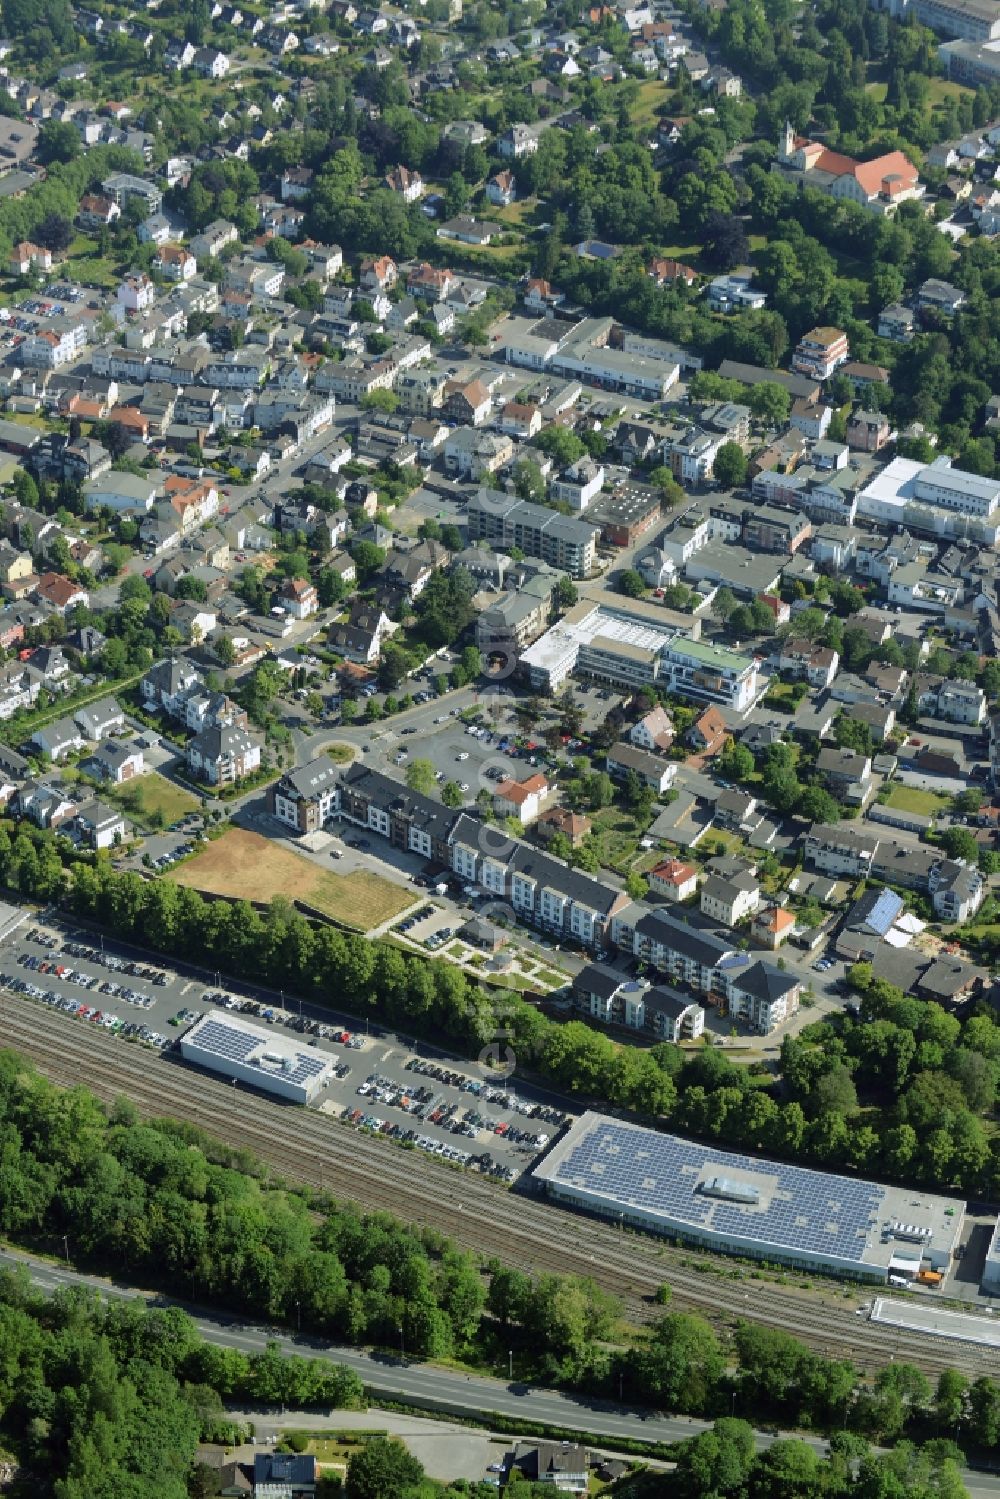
(97, 720)
(655, 731)
(522, 800)
(771, 926)
(472, 454)
(730, 900)
(406, 184)
(846, 774)
(735, 292)
(26, 257)
(897, 323)
(519, 419)
(99, 825)
(306, 798)
(819, 352)
(957, 890)
(299, 598)
(667, 272)
(655, 772)
(764, 997)
(805, 661)
(940, 297)
(378, 275)
(54, 741)
(59, 592)
(868, 431)
(838, 849)
(579, 484)
(175, 263)
(708, 733)
(284, 1475)
(674, 880)
(468, 402)
(501, 189)
(222, 756)
(115, 761)
(361, 638)
(574, 826)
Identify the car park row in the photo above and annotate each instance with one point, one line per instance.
(131, 1030)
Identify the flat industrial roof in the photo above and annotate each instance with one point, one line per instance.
(925, 1317)
(771, 1205)
(225, 1038)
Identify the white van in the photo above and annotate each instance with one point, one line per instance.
(899, 1280)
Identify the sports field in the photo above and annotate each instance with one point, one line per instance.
(249, 867)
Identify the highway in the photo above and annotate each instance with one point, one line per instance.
(390, 1378)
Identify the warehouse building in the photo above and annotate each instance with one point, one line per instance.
(762, 1210)
(238, 1050)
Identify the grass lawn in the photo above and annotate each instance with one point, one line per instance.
(731, 843)
(152, 794)
(785, 696)
(340, 754)
(940, 89)
(912, 799)
(652, 93)
(27, 419)
(517, 215)
(249, 867)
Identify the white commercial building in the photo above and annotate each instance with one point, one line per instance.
(934, 498)
(225, 1044)
(759, 1209)
(627, 649)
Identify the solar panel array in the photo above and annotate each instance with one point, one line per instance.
(305, 1067)
(236, 1045)
(884, 912)
(806, 1211)
(226, 1041)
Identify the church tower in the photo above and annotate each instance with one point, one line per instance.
(787, 142)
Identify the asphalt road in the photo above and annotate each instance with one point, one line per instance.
(392, 1378)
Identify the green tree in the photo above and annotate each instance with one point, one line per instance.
(630, 583)
(382, 1469)
(567, 593)
(529, 481)
(723, 604)
(420, 776)
(730, 466)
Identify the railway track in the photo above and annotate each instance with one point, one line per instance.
(311, 1148)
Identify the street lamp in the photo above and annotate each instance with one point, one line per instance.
(65, 1239)
(298, 1316)
(510, 1363)
(402, 1345)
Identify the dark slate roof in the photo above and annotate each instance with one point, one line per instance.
(763, 981)
(598, 978)
(702, 946)
(667, 1001)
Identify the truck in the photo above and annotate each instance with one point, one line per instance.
(929, 1278)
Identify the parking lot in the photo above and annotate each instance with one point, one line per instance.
(454, 1114)
(385, 1084)
(475, 755)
